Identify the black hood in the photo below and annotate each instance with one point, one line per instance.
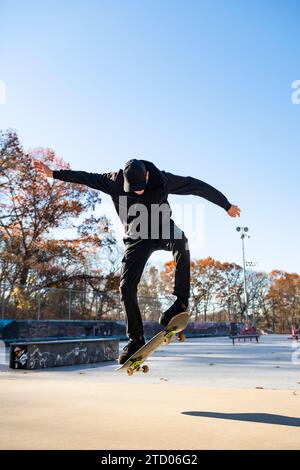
(156, 179)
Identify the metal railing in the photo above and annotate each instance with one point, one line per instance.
(23, 302)
(45, 303)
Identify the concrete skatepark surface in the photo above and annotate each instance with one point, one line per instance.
(202, 394)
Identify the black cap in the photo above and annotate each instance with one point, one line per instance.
(134, 176)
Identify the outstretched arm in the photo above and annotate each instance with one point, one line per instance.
(102, 182)
(186, 185)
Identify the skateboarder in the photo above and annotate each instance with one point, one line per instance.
(139, 193)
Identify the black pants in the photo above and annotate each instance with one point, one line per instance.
(135, 257)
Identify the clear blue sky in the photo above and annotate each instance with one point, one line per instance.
(200, 88)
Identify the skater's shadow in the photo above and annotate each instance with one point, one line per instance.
(252, 417)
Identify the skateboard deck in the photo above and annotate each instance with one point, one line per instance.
(176, 325)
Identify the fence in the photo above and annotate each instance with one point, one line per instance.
(36, 303)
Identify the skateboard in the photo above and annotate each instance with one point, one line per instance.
(176, 325)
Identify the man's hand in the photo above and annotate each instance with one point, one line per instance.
(234, 211)
(43, 169)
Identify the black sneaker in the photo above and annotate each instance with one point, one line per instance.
(130, 348)
(177, 307)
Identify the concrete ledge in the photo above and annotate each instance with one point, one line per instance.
(12, 331)
(43, 330)
(42, 354)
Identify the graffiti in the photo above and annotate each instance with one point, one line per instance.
(38, 359)
(110, 351)
(20, 358)
(296, 353)
(65, 353)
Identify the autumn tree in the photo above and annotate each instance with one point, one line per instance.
(205, 280)
(229, 291)
(34, 211)
(284, 298)
(167, 277)
(258, 304)
(149, 292)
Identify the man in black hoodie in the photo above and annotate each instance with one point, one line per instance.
(140, 195)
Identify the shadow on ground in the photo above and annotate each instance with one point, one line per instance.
(265, 418)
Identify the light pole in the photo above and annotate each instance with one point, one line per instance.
(244, 235)
(252, 264)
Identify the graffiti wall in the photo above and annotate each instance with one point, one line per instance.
(39, 355)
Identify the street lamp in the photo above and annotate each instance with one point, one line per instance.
(244, 234)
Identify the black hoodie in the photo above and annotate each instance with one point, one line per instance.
(128, 205)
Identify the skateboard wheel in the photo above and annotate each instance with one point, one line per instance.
(181, 338)
(129, 371)
(166, 340)
(145, 369)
